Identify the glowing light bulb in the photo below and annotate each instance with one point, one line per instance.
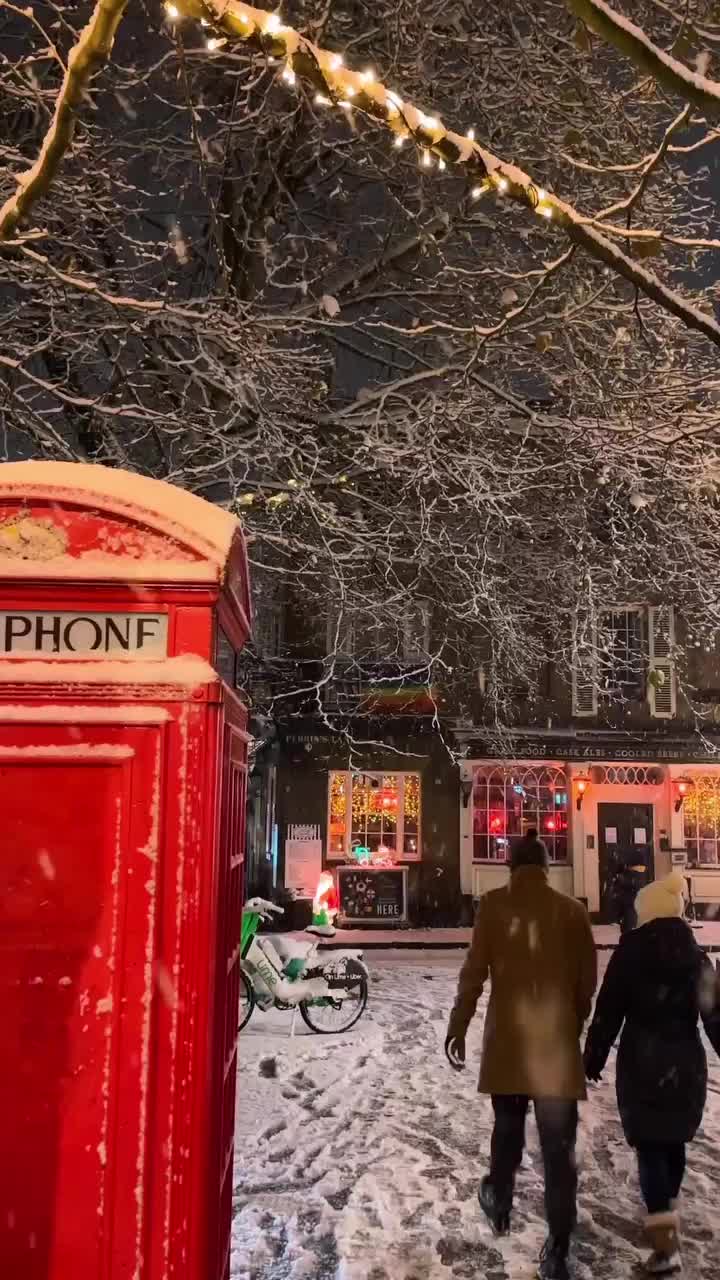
(336, 62)
(346, 106)
(441, 164)
(542, 195)
(430, 123)
(289, 76)
(367, 76)
(350, 91)
(503, 184)
(172, 11)
(212, 44)
(547, 212)
(399, 141)
(427, 159)
(273, 24)
(322, 101)
(204, 22)
(244, 17)
(477, 192)
(471, 134)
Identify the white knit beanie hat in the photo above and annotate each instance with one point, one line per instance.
(661, 900)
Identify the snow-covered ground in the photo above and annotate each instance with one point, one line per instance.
(360, 1158)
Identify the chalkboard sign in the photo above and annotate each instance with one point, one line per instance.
(370, 895)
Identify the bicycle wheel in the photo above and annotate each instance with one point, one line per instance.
(327, 1017)
(247, 1000)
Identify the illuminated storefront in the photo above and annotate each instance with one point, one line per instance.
(592, 808)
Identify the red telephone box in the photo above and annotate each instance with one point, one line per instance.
(123, 758)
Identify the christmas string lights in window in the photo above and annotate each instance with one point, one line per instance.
(334, 84)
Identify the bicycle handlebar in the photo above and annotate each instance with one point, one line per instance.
(263, 908)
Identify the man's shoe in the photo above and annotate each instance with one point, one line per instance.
(498, 1218)
(553, 1260)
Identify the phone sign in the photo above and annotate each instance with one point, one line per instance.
(140, 635)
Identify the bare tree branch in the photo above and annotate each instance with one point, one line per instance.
(91, 52)
(352, 90)
(635, 44)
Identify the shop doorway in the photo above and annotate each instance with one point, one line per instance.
(625, 836)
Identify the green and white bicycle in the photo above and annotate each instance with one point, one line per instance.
(282, 973)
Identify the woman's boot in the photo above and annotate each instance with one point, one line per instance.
(661, 1230)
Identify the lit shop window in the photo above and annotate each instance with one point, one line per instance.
(378, 813)
(701, 815)
(508, 801)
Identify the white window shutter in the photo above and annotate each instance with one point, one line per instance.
(584, 676)
(662, 693)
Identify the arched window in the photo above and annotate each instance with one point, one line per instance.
(510, 799)
(701, 815)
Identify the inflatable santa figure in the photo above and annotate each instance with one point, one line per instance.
(325, 907)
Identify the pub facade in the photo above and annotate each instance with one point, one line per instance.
(414, 809)
(592, 797)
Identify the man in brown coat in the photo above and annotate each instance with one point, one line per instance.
(537, 948)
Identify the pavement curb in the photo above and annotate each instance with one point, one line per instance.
(712, 948)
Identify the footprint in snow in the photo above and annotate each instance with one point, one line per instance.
(273, 1131)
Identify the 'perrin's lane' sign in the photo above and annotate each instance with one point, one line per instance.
(141, 635)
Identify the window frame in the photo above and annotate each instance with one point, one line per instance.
(269, 626)
(340, 635)
(612, 686)
(593, 683)
(542, 771)
(346, 855)
(702, 863)
(413, 637)
(416, 635)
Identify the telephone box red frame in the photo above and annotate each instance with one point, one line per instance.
(122, 824)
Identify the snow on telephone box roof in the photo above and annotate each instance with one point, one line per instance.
(144, 529)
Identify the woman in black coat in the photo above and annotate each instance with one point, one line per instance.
(658, 984)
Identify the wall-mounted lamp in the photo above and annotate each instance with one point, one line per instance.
(682, 786)
(466, 790)
(581, 786)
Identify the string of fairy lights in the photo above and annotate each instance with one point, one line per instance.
(335, 85)
(293, 488)
(300, 62)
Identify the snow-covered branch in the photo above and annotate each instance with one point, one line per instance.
(91, 51)
(425, 405)
(649, 57)
(324, 72)
(333, 83)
